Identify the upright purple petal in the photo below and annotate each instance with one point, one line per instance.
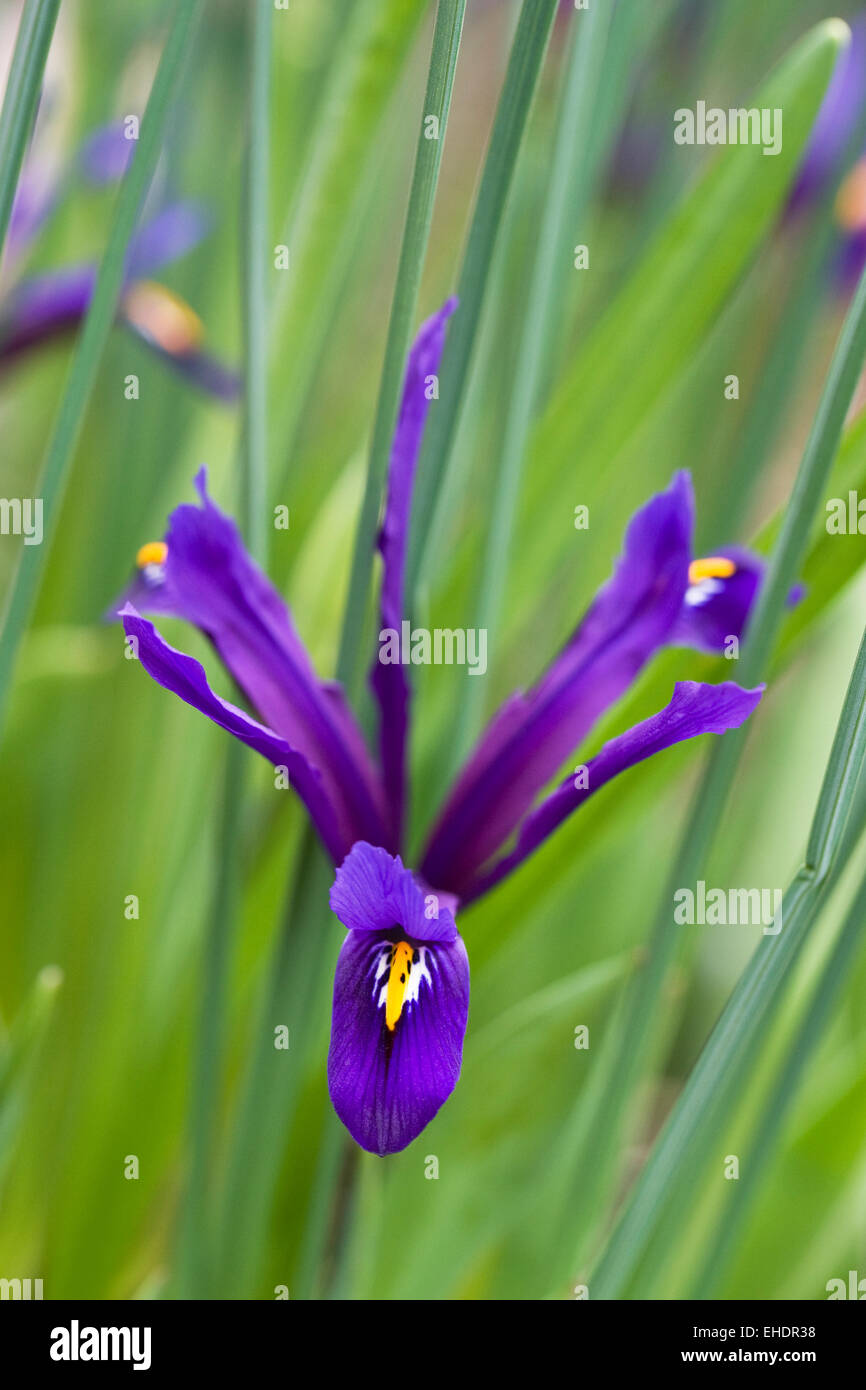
(374, 892)
(695, 709)
(531, 736)
(166, 237)
(389, 681)
(105, 155)
(837, 120)
(185, 676)
(204, 575)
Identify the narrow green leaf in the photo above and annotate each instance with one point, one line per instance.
(256, 267)
(512, 112)
(581, 987)
(563, 207)
(761, 1147)
(196, 1254)
(22, 1056)
(21, 98)
(294, 991)
(711, 796)
(95, 332)
(267, 1099)
(416, 234)
(322, 224)
(720, 1070)
(647, 339)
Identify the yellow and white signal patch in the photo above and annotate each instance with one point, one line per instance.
(405, 967)
(706, 578)
(163, 318)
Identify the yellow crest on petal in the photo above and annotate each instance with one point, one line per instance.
(163, 317)
(713, 567)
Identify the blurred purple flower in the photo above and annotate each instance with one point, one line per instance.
(836, 124)
(402, 982)
(43, 306)
(838, 127)
(105, 155)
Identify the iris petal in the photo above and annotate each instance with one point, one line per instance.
(388, 680)
(385, 1084)
(209, 579)
(694, 709)
(374, 892)
(532, 735)
(185, 676)
(716, 609)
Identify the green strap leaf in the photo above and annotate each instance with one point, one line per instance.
(95, 332)
(512, 113)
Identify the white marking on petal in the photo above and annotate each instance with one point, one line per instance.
(418, 972)
(696, 594)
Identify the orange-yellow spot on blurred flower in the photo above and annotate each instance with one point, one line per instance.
(402, 956)
(163, 317)
(153, 553)
(851, 200)
(713, 567)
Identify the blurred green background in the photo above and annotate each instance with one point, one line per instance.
(111, 788)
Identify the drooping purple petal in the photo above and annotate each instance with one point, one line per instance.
(373, 892)
(717, 605)
(200, 369)
(44, 306)
(695, 709)
(207, 578)
(532, 734)
(385, 1084)
(185, 676)
(388, 680)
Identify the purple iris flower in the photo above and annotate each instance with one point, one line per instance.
(836, 122)
(720, 597)
(401, 993)
(43, 306)
(840, 118)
